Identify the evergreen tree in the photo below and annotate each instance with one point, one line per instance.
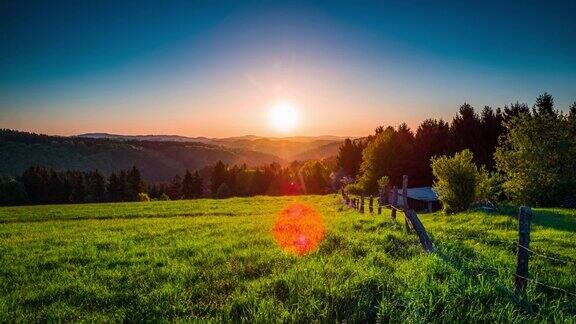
(78, 186)
(431, 139)
(515, 110)
(114, 188)
(188, 191)
(97, 186)
(466, 132)
(197, 185)
(492, 127)
(571, 119)
(349, 158)
(315, 176)
(125, 190)
(545, 105)
(35, 181)
(175, 189)
(134, 184)
(217, 177)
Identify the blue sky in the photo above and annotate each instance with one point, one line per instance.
(215, 68)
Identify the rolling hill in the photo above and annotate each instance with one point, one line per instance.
(286, 148)
(158, 160)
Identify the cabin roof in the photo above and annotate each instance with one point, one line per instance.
(421, 193)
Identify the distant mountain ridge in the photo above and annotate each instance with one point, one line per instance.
(180, 138)
(286, 148)
(160, 157)
(158, 160)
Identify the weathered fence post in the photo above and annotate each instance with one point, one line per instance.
(405, 200)
(381, 199)
(524, 217)
(371, 204)
(362, 203)
(394, 202)
(411, 216)
(405, 191)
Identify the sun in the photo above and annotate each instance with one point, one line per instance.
(283, 117)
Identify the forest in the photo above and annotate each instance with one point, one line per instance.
(540, 140)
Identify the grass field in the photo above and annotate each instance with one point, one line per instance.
(218, 260)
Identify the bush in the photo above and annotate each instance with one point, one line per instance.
(383, 182)
(459, 182)
(354, 189)
(12, 192)
(143, 197)
(223, 191)
(164, 197)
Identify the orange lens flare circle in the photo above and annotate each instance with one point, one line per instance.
(298, 229)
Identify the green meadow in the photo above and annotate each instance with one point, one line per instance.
(217, 260)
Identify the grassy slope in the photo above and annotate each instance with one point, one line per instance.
(218, 260)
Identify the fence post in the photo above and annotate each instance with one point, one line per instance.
(371, 204)
(362, 203)
(411, 216)
(405, 191)
(381, 199)
(394, 201)
(405, 201)
(524, 217)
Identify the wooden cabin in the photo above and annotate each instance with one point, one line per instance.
(419, 199)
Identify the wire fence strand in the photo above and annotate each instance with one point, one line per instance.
(547, 286)
(546, 256)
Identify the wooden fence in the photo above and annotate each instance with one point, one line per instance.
(413, 224)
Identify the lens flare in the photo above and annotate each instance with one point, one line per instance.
(298, 229)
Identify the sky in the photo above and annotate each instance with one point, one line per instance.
(217, 69)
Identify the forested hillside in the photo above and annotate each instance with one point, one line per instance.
(158, 161)
(293, 148)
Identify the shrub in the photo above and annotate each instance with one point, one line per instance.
(459, 182)
(143, 197)
(12, 192)
(163, 197)
(383, 182)
(223, 191)
(354, 188)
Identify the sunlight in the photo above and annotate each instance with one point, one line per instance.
(299, 229)
(283, 117)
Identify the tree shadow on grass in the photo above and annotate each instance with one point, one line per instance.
(562, 220)
(558, 219)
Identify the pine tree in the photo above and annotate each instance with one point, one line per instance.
(218, 177)
(114, 188)
(187, 186)
(197, 185)
(545, 105)
(192, 185)
(135, 184)
(350, 157)
(175, 189)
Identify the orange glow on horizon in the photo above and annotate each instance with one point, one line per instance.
(298, 229)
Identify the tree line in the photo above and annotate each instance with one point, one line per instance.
(42, 185)
(529, 154)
